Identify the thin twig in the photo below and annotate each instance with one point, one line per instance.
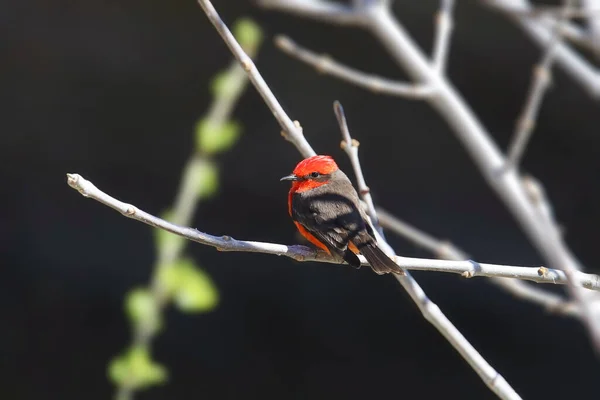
(441, 248)
(539, 84)
(350, 146)
(543, 10)
(331, 12)
(444, 26)
(539, 28)
(592, 8)
(302, 253)
(291, 130)
(326, 65)
(570, 31)
(579, 36)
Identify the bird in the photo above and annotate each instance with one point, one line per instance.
(326, 210)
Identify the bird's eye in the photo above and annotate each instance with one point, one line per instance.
(314, 174)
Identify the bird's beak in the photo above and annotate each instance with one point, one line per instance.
(291, 177)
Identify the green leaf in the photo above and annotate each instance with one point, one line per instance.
(142, 309)
(224, 85)
(206, 176)
(136, 369)
(191, 288)
(214, 138)
(248, 34)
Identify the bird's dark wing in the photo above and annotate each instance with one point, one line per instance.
(331, 217)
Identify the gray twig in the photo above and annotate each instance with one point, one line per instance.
(327, 65)
(350, 146)
(444, 26)
(539, 84)
(291, 130)
(539, 28)
(331, 12)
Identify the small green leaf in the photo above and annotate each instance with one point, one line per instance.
(198, 294)
(248, 34)
(142, 309)
(213, 138)
(224, 84)
(136, 369)
(206, 176)
(191, 288)
(118, 370)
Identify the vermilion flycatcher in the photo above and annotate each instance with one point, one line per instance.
(326, 210)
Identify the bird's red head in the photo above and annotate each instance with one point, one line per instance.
(311, 172)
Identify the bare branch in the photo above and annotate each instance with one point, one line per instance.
(540, 30)
(553, 303)
(441, 248)
(444, 26)
(446, 250)
(570, 31)
(326, 65)
(291, 130)
(430, 310)
(592, 10)
(350, 146)
(543, 10)
(539, 84)
(331, 12)
(303, 253)
(432, 313)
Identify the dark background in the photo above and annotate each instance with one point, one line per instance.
(111, 89)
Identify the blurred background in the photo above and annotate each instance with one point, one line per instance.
(113, 89)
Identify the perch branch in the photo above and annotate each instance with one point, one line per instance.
(326, 65)
(302, 253)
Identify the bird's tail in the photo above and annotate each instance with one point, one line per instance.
(379, 261)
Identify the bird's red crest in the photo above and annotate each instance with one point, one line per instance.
(321, 164)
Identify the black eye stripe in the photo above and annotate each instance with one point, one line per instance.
(317, 176)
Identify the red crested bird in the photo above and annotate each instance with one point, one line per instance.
(326, 210)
